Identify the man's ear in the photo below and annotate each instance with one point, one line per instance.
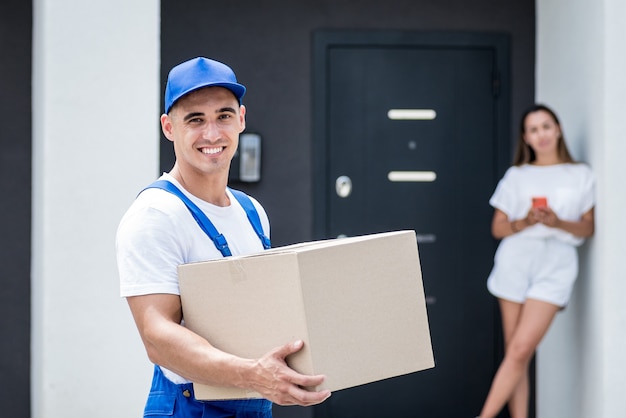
(242, 118)
(166, 126)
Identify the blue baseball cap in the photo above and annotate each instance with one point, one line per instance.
(198, 73)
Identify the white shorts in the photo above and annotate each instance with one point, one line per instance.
(531, 268)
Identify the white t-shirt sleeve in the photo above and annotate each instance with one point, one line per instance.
(505, 197)
(148, 253)
(588, 190)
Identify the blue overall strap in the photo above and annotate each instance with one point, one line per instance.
(253, 215)
(207, 226)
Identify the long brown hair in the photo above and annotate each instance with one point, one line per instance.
(524, 154)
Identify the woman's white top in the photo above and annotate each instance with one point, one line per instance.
(569, 189)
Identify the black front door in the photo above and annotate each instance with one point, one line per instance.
(411, 133)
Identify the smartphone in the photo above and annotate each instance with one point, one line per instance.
(540, 202)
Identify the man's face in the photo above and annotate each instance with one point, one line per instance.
(204, 127)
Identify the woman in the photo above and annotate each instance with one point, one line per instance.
(543, 210)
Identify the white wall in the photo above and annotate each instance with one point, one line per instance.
(95, 143)
(580, 72)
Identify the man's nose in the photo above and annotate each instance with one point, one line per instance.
(211, 131)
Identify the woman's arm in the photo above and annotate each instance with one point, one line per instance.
(583, 228)
(502, 226)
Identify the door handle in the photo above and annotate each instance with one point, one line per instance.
(343, 186)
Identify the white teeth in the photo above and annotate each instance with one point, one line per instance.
(212, 150)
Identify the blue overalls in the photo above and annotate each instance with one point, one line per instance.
(167, 399)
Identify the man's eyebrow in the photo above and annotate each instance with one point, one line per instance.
(192, 115)
(227, 109)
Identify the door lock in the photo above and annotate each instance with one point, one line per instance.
(343, 186)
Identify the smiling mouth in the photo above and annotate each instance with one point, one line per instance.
(211, 151)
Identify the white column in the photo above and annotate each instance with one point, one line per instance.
(612, 270)
(95, 143)
(580, 68)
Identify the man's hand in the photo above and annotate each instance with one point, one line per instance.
(276, 381)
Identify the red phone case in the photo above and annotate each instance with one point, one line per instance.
(540, 202)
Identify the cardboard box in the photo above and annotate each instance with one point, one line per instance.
(357, 303)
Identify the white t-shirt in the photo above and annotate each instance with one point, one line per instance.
(158, 233)
(569, 189)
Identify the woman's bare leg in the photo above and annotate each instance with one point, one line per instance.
(533, 322)
(511, 313)
(518, 403)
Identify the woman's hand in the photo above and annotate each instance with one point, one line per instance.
(546, 216)
(532, 217)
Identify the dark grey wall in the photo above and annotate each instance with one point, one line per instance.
(268, 44)
(15, 206)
